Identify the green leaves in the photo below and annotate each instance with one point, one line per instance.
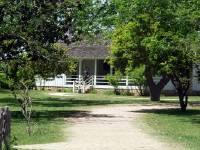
(153, 34)
(37, 24)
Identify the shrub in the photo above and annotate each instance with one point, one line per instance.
(138, 79)
(4, 82)
(114, 81)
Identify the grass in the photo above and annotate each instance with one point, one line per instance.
(46, 125)
(176, 126)
(49, 112)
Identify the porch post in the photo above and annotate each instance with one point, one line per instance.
(127, 80)
(80, 68)
(111, 70)
(95, 71)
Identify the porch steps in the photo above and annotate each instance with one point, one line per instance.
(81, 86)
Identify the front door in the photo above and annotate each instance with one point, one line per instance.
(88, 67)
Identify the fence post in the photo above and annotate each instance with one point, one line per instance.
(83, 87)
(73, 86)
(5, 116)
(1, 129)
(95, 80)
(127, 80)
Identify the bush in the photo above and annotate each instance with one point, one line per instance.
(4, 82)
(93, 91)
(138, 79)
(67, 90)
(109, 93)
(125, 93)
(114, 81)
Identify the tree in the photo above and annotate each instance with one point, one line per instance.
(21, 74)
(131, 50)
(185, 42)
(181, 66)
(31, 26)
(144, 35)
(29, 30)
(21, 78)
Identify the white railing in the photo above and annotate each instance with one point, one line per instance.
(81, 86)
(90, 81)
(88, 84)
(77, 84)
(96, 81)
(71, 78)
(100, 80)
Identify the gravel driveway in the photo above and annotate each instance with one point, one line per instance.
(108, 128)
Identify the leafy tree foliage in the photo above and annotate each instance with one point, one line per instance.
(29, 30)
(137, 78)
(31, 26)
(114, 81)
(181, 70)
(148, 33)
(21, 74)
(21, 78)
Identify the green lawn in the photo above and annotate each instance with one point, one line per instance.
(178, 127)
(49, 113)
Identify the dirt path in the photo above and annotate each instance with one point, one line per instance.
(108, 128)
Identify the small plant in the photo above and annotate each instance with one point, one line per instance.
(93, 91)
(138, 79)
(68, 90)
(109, 93)
(125, 93)
(114, 81)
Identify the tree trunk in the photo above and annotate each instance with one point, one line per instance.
(182, 87)
(155, 94)
(183, 100)
(155, 89)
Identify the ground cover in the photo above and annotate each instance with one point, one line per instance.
(49, 112)
(112, 127)
(178, 127)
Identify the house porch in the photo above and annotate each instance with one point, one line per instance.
(97, 70)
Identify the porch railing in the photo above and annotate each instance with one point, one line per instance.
(69, 80)
(98, 81)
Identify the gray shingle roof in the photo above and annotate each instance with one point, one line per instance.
(87, 51)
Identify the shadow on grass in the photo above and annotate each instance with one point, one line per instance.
(191, 115)
(8, 102)
(5, 91)
(56, 102)
(68, 102)
(190, 102)
(77, 102)
(50, 115)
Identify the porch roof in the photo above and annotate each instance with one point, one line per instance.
(87, 51)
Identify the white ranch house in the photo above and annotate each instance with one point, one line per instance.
(91, 59)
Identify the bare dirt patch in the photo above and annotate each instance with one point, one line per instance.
(109, 128)
(62, 94)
